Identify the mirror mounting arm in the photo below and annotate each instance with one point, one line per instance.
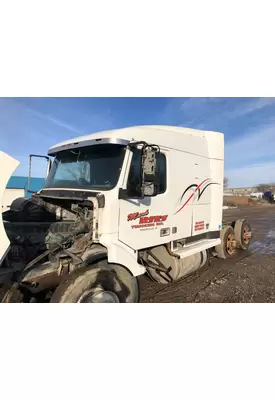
(30, 162)
(148, 167)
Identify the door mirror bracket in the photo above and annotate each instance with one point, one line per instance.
(49, 164)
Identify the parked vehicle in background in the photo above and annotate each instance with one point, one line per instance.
(256, 196)
(269, 196)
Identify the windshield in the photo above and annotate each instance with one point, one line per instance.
(94, 167)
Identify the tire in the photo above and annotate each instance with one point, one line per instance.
(99, 283)
(10, 293)
(242, 231)
(227, 235)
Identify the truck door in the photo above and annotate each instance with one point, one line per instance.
(153, 221)
(142, 222)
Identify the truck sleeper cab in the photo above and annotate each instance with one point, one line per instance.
(134, 200)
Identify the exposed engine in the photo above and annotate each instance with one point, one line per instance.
(54, 229)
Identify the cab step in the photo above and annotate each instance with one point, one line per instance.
(196, 247)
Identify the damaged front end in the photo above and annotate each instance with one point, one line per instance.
(50, 235)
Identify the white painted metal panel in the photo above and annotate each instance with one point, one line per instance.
(9, 196)
(8, 165)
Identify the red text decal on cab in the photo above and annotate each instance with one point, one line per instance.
(148, 221)
(157, 218)
(134, 216)
(199, 226)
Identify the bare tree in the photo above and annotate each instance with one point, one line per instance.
(263, 187)
(225, 182)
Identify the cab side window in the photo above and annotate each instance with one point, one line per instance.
(162, 173)
(134, 178)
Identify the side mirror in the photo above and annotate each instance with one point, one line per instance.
(143, 179)
(149, 186)
(49, 164)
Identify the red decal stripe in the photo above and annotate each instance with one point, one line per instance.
(187, 201)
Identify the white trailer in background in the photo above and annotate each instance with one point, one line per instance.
(8, 165)
(119, 204)
(9, 196)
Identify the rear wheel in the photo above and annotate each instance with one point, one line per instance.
(243, 233)
(227, 248)
(100, 283)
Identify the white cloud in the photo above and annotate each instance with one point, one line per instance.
(9, 108)
(205, 112)
(250, 106)
(251, 175)
(49, 118)
(252, 147)
(249, 159)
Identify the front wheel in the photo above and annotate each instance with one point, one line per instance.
(100, 283)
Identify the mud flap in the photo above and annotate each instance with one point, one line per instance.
(7, 166)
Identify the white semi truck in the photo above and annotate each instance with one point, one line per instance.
(116, 205)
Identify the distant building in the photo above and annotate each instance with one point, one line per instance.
(18, 187)
(240, 191)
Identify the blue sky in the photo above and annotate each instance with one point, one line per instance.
(32, 125)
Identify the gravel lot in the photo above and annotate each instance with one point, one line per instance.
(249, 278)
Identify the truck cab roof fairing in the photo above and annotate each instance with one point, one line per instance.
(89, 142)
(203, 143)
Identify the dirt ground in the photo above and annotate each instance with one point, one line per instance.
(236, 200)
(249, 278)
